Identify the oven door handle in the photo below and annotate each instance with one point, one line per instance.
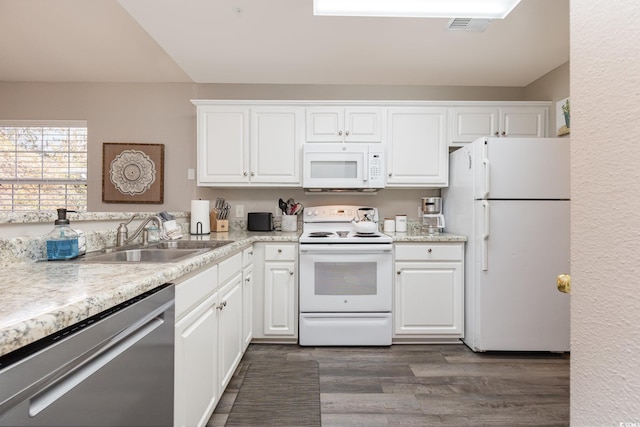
(342, 248)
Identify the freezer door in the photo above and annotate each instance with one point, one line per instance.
(521, 168)
(521, 247)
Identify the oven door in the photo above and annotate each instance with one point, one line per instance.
(345, 278)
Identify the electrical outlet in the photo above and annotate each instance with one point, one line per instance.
(191, 174)
(239, 211)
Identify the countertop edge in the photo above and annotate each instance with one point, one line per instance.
(18, 332)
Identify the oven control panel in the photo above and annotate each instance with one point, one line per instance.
(336, 213)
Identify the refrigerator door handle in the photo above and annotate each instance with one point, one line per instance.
(485, 162)
(485, 237)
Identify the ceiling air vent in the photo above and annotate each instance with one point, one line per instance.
(468, 24)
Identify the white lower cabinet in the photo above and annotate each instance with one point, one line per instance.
(230, 328)
(196, 349)
(247, 296)
(428, 292)
(275, 292)
(209, 338)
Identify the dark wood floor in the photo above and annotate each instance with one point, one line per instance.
(425, 385)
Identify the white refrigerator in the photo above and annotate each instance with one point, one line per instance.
(510, 197)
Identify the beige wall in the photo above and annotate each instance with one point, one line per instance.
(163, 113)
(605, 201)
(553, 86)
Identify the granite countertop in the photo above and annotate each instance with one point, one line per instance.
(41, 298)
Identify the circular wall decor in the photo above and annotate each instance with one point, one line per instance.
(132, 172)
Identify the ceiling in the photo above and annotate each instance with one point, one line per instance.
(271, 41)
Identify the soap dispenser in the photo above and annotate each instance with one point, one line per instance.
(62, 242)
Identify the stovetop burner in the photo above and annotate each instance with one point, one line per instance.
(334, 225)
(320, 234)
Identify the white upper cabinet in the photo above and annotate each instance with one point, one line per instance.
(337, 124)
(223, 145)
(250, 145)
(471, 122)
(276, 144)
(417, 153)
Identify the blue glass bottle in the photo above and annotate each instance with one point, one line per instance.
(62, 242)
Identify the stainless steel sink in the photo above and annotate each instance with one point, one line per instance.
(145, 255)
(190, 244)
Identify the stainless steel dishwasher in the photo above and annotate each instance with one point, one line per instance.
(113, 369)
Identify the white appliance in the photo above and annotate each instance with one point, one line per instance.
(510, 197)
(343, 166)
(345, 280)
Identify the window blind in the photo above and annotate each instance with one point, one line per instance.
(43, 165)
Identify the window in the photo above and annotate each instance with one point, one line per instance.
(43, 165)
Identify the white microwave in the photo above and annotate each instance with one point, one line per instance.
(343, 167)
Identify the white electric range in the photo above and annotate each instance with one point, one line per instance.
(345, 280)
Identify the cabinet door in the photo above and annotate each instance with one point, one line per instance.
(230, 332)
(279, 298)
(428, 299)
(196, 365)
(337, 124)
(417, 149)
(523, 122)
(276, 140)
(247, 306)
(363, 124)
(471, 123)
(325, 124)
(223, 145)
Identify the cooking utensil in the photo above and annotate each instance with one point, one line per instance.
(297, 208)
(283, 206)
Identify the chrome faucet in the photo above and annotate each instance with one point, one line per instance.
(123, 233)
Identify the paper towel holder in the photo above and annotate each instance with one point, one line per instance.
(199, 214)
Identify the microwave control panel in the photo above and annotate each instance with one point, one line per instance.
(376, 169)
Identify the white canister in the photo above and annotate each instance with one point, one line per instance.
(289, 223)
(401, 223)
(389, 225)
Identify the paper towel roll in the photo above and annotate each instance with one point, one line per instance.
(200, 217)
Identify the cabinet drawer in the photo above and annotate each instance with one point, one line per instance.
(429, 252)
(280, 253)
(195, 289)
(247, 256)
(229, 267)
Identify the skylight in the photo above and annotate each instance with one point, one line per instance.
(488, 9)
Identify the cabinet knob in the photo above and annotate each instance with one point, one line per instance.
(291, 272)
(244, 173)
(218, 307)
(497, 133)
(429, 250)
(398, 272)
(279, 251)
(347, 133)
(250, 252)
(340, 132)
(504, 133)
(253, 174)
(248, 279)
(389, 174)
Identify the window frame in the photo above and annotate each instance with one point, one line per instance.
(11, 200)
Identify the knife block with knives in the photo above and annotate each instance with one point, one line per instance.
(219, 214)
